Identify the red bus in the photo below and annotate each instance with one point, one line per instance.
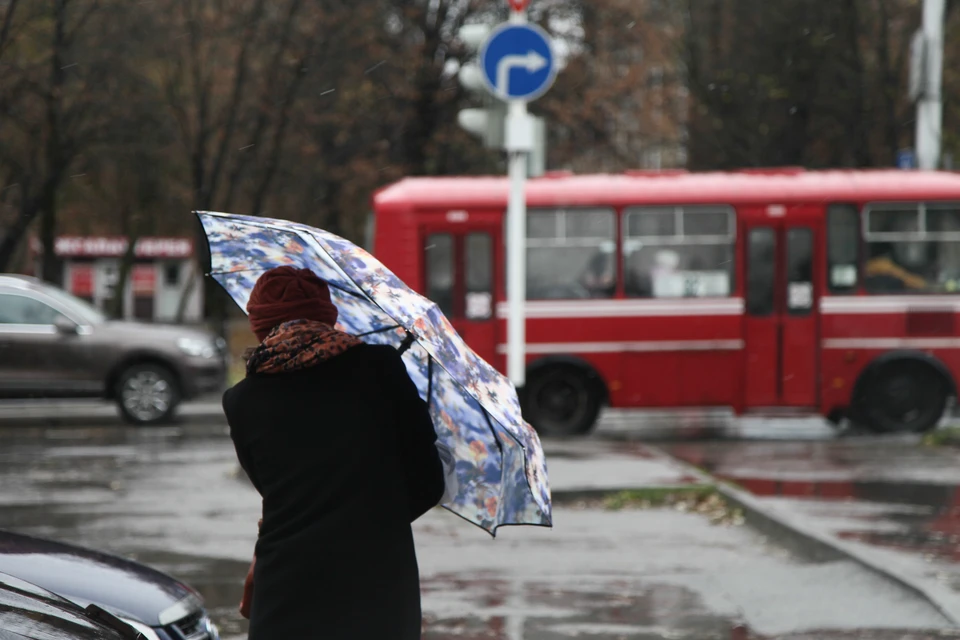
(810, 292)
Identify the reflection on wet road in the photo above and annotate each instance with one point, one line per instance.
(174, 498)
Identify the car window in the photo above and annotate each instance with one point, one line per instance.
(75, 306)
(18, 309)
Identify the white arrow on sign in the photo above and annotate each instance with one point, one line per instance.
(533, 62)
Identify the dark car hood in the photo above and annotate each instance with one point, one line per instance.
(124, 587)
(31, 612)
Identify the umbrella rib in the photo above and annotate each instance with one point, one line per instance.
(492, 533)
(486, 416)
(361, 295)
(376, 331)
(429, 381)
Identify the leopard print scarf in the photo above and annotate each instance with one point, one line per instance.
(298, 344)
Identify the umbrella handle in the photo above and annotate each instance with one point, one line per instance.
(407, 343)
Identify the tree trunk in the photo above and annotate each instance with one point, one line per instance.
(50, 269)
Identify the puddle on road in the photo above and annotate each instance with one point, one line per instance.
(871, 634)
(617, 609)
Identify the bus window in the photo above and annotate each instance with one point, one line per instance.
(843, 248)
(912, 248)
(799, 271)
(570, 254)
(478, 258)
(761, 271)
(676, 252)
(440, 270)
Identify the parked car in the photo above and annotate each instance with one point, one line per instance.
(54, 345)
(157, 605)
(28, 612)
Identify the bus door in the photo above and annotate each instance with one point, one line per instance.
(460, 272)
(781, 330)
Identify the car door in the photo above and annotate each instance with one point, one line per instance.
(42, 352)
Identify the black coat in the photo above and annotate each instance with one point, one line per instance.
(343, 455)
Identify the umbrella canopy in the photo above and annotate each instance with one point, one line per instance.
(500, 470)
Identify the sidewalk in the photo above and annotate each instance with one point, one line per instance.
(40, 413)
(591, 466)
(613, 570)
(891, 505)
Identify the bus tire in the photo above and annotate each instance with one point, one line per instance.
(561, 400)
(902, 396)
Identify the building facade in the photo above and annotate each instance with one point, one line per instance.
(162, 278)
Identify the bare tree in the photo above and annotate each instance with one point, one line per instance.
(56, 106)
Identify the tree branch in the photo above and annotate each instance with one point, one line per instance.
(7, 22)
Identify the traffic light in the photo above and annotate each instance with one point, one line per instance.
(486, 122)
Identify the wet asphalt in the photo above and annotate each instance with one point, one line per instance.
(174, 497)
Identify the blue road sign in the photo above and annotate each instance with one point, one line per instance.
(517, 62)
(906, 159)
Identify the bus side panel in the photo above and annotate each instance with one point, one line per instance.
(851, 341)
(663, 360)
(711, 379)
(397, 245)
(840, 372)
(652, 379)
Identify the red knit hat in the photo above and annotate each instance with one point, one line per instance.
(283, 294)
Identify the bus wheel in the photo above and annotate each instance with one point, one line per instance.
(561, 401)
(903, 397)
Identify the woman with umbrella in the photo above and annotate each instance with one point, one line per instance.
(335, 437)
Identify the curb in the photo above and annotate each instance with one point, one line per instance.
(811, 544)
(567, 496)
(104, 419)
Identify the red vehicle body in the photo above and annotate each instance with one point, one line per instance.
(830, 292)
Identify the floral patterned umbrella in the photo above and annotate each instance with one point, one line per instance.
(500, 472)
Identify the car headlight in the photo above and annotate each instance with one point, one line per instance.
(145, 631)
(197, 347)
(212, 629)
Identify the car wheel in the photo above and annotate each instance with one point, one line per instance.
(561, 401)
(147, 394)
(903, 397)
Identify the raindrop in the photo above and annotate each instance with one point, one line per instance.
(376, 66)
(328, 91)
(249, 146)
(793, 111)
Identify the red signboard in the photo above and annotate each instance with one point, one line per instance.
(116, 246)
(519, 5)
(144, 279)
(81, 280)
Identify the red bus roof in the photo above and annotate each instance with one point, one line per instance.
(676, 187)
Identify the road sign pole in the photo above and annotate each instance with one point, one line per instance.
(516, 257)
(517, 243)
(518, 65)
(929, 123)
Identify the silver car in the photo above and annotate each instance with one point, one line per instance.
(53, 345)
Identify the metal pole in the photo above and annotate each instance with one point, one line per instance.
(516, 259)
(930, 105)
(517, 247)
